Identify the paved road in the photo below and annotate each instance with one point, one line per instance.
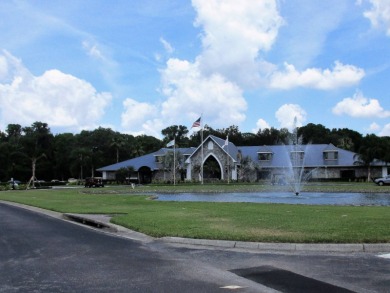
(42, 254)
(301, 271)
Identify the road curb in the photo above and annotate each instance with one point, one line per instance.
(103, 221)
(298, 247)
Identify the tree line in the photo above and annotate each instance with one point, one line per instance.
(28, 152)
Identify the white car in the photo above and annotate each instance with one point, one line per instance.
(382, 180)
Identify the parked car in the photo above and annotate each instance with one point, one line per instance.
(94, 182)
(382, 180)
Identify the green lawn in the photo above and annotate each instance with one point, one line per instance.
(229, 221)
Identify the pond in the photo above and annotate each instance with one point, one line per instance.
(309, 198)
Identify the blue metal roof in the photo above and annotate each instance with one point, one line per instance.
(148, 160)
(313, 155)
(230, 148)
(145, 160)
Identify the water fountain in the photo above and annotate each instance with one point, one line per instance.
(295, 152)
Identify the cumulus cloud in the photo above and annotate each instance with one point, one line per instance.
(234, 32)
(59, 99)
(290, 114)
(374, 127)
(3, 67)
(339, 76)
(235, 35)
(379, 15)
(261, 124)
(385, 131)
(189, 91)
(360, 107)
(133, 118)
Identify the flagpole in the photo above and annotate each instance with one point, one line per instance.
(228, 162)
(174, 162)
(201, 134)
(198, 123)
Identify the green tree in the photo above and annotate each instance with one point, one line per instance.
(63, 146)
(346, 139)
(117, 143)
(248, 169)
(14, 133)
(233, 132)
(249, 139)
(37, 141)
(371, 148)
(80, 162)
(272, 136)
(177, 132)
(149, 144)
(173, 162)
(124, 173)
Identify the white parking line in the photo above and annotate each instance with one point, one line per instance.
(385, 255)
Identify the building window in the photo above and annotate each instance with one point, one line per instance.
(159, 159)
(331, 155)
(265, 156)
(210, 145)
(297, 156)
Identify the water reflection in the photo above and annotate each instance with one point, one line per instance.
(358, 199)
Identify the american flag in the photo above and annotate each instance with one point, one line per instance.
(196, 123)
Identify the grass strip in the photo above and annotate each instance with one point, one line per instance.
(225, 221)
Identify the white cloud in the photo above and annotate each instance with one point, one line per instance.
(141, 118)
(261, 124)
(385, 131)
(59, 99)
(374, 127)
(92, 50)
(3, 67)
(233, 34)
(167, 46)
(190, 92)
(379, 15)
(289, 114)
(360, 107)
(339, 76)
(153, 127)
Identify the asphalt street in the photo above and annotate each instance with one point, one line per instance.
(42, 254)
(39, 253)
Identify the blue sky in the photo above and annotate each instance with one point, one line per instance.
(138, 66)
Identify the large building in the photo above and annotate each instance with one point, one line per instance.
(217, 159)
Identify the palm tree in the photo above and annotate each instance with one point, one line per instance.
(371, 149)
(117, 143)
(138, 149)
(36, 141)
